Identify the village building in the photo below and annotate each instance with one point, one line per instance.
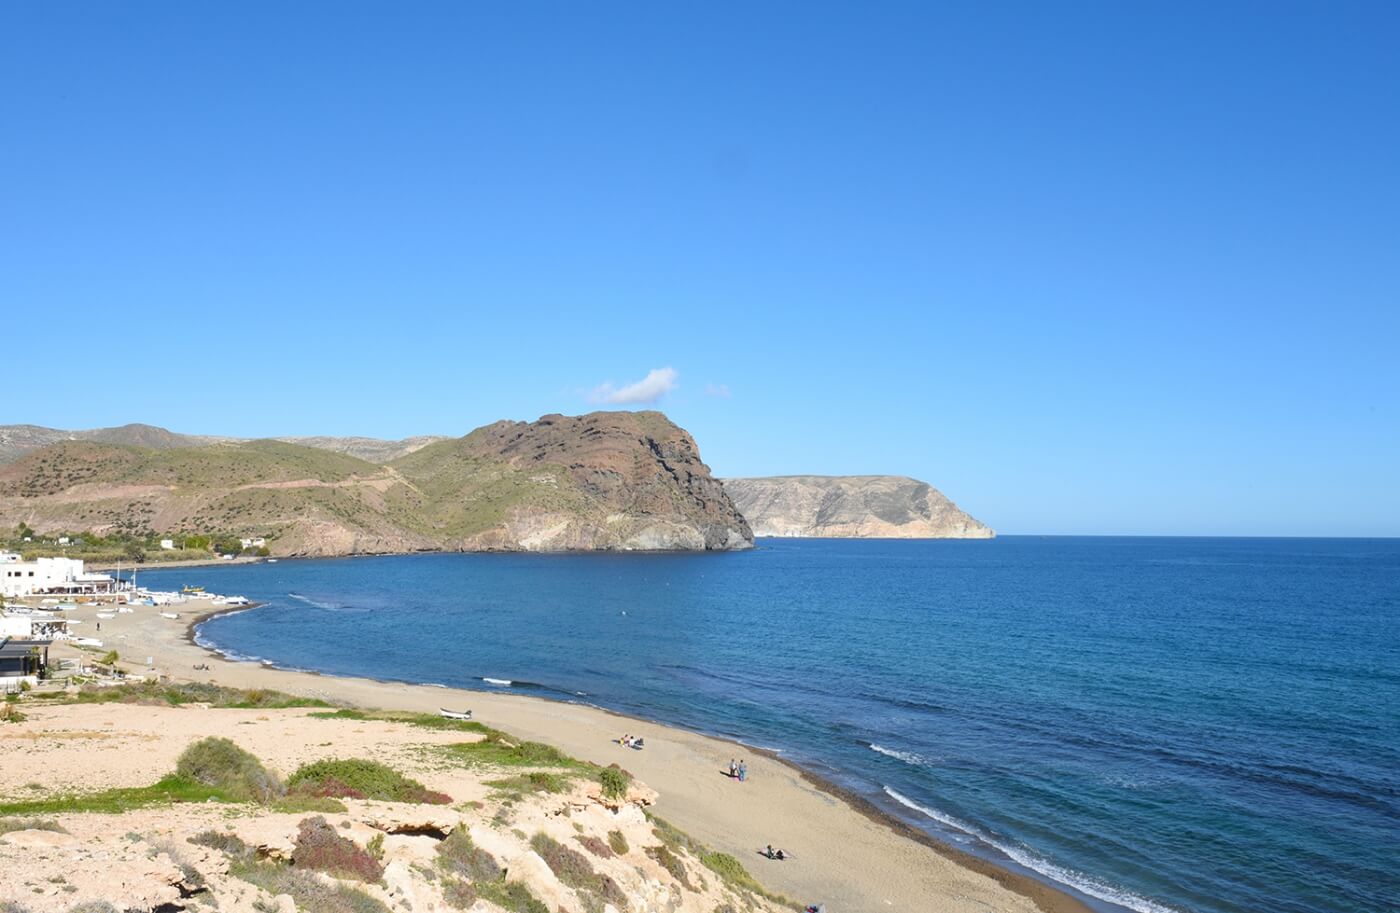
(22, 662)
(51, 575)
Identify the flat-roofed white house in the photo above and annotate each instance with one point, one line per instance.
(167, 544)
(51, 575)
(258, 542)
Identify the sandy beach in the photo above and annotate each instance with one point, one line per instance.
(844, 854)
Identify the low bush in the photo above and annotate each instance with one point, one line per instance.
(500, 750)
(222, 841)
(595, 846)
(194, 693)
(512, 896)
(534, 781)
(458, 855)
(219, 763)
(671, 863)
(298, 803)
(30, 824)
(573, 869)
(731, 870)
(618, 842)
(311, 894)
(459, 894)
(360, 779)
(614, 781)
(421, 720)
(319, 847)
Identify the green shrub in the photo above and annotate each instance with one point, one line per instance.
(671, 863)
(298, 804)
(614, 781)
(499, 750)
(514, 897)
(534, 781)
(195, 693)
(731, 870)
(219, 763)
(618, 842)
(360, 779)
(458, 855)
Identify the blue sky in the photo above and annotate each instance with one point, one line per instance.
(1088, 268)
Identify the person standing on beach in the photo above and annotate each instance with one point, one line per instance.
(743, 771)
(733, 769)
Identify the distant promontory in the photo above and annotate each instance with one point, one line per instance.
(854, 507)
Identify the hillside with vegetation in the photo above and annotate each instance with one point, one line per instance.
(600, 481)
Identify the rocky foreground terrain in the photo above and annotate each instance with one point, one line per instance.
(260, 806)
(888, 507)
(604, 481)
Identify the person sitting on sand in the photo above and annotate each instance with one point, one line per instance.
(625, 741)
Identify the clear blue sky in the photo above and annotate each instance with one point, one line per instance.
(1088, 268)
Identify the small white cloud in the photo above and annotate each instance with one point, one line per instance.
(657, 383)
(719, 390)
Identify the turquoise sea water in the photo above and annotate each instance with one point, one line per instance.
(1209, 725)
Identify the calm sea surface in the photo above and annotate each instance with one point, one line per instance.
(1205, 725)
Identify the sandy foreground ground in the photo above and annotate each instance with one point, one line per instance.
(842, 856)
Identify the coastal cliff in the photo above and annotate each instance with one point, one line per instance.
(851, 507)
(605, 481)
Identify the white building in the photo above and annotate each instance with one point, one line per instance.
(167, 544)
(253, 543)
(37, 626)
(51, 575)
(10, 557)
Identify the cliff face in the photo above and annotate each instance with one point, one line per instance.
(854, 507)
(601, 481)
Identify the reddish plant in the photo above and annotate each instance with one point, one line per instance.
(319, 847)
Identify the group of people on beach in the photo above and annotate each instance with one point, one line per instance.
(739, 771)
(631, 741)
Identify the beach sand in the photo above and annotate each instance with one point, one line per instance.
(845, 854)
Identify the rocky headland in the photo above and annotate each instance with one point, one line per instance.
(851, 507)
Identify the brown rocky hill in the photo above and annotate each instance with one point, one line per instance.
(851, 507)
(613, 480)
(601, 481)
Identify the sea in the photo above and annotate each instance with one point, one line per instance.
(1155, 724)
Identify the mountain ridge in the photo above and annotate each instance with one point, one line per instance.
(603, 481)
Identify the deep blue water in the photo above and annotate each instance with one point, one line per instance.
(1209, 725)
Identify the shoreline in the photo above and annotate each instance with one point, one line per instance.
(1047, 897)
(848, 852)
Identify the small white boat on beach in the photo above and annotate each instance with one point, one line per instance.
(455, 714)
(87, 641)
(106, 614)
(169, 614)
(126, 610)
